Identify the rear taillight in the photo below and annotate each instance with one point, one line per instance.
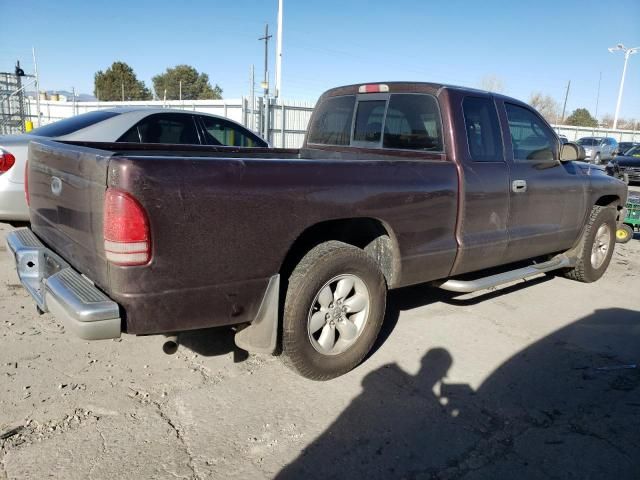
(126, 230)
(26, 183)
(7, 160)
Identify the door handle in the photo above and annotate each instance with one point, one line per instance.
(519, 186)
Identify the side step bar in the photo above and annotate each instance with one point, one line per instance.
(468, 286)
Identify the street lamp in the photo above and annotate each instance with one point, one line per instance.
(627, 53)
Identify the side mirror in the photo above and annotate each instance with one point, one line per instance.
(572, 152)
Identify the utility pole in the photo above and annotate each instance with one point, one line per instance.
(265, 83)
(181, 90)
(279, 52)
(598, 95)
(566, 96)
(122, 85)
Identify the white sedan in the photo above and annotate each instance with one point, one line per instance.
(136, 124)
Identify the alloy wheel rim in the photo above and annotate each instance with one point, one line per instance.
(601, 246)
(338, 314)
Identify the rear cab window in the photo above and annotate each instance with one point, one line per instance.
(331, 123)
(398, 121)
(413, 123)
(367, 131)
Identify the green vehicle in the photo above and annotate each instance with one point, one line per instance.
(631, 223)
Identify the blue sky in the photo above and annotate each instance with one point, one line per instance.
(530, 46)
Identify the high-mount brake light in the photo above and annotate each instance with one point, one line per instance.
(126, 230)
(7, 160)
(374, 88)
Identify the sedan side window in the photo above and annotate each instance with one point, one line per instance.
(530, 137)
(168, 128)
(220, 132)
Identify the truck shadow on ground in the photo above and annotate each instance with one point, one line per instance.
(421, 295)
(568, 406)
(218, 341)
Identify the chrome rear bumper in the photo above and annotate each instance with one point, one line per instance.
(57, 288)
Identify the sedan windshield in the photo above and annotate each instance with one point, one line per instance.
(73, 124)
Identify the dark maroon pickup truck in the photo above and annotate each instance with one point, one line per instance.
(396, 184)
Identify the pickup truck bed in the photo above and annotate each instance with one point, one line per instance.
(422, 182)
(223, 224)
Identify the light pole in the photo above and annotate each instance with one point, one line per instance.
(627, 53)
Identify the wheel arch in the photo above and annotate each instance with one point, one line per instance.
(613, 201)
(609, 201)
(370, 234)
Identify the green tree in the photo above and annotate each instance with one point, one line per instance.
(581, 118)
(118, 81)
(195, 86)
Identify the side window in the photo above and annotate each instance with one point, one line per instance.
(413, 123)
(164, 128)
(531, 138)
(331, 122)
(483, 129)
(220, 132)
(369, 118)
(132, 135)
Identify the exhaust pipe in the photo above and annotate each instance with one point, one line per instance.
(170, 345)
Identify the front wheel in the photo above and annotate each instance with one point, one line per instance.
(596, 246)
(624, 233)
(333, 312)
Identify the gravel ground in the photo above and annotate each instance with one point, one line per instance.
(535, 380)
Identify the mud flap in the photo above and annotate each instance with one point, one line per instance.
(262, 334)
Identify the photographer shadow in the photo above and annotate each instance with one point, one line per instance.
(567, 406)
(398, 416)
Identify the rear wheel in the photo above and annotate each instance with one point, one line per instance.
(333, 311)
(596, 246)
(624, 233)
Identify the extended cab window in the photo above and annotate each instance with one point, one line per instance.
(531, 138)
(331, 123)
(483, 129)
(164, 128)
(413, 123)
(220, 132)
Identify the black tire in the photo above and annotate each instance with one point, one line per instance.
(624, 233)
(318, 267)
(585, 271)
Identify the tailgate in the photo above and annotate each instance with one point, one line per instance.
(67, 185)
